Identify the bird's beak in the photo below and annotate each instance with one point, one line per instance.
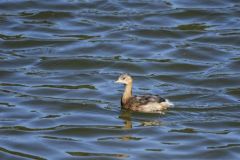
(117, 81)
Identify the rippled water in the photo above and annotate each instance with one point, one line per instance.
(59, 59)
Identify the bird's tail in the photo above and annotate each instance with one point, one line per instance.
(170, 104)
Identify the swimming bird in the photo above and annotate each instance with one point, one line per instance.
(144, 103)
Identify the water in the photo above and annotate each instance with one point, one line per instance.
(59, 60)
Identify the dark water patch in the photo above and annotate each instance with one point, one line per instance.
(215, 82)
(6, 73)
(52, 116)
(20, 154)
(226, 146)
(144, 33)
(33, 43)
(192, 27)
(72, 64)
(67, 87)
(234, 65)
(201, 53)
(15, 63)
(65, 106)
(201, 14)
(6, 104)
(25, 129)
(11, 84)
(124, 67)
(154, 150)
(220, 40)
(12, 37)
(47, 15)
(213, 124)
(80, 37)
(234, 91)
(125, 138)
(141, 5)
(40, 22)
(85, 130)
(97, 154)
(58, 138)
(46, 92)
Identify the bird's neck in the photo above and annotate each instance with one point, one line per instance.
(127, 93)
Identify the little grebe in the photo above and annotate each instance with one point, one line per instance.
(145, 103)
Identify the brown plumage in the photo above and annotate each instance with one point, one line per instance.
(145, 103)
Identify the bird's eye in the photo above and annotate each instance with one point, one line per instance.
(124, 78)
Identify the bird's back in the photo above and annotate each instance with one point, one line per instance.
(146, 103)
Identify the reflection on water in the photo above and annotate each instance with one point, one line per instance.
(58, 61)
(126, 116)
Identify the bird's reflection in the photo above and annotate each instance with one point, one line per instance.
(126, 116)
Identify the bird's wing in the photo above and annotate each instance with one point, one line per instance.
(136, 101)
(149, 98)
